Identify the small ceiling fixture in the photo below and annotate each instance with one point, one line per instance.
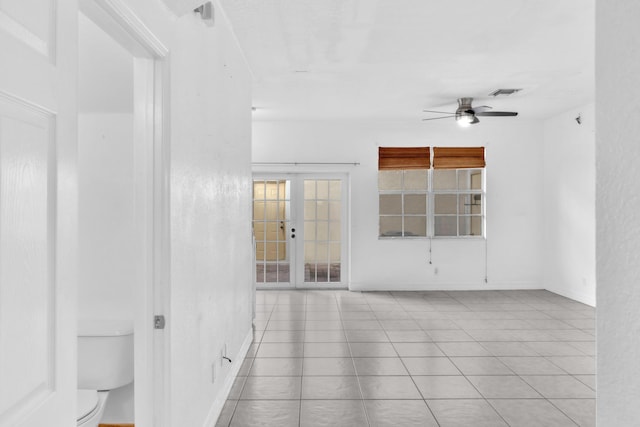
(504, 92)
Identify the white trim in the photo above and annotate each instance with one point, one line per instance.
(575, 295)
(218, 404)
(479, 285)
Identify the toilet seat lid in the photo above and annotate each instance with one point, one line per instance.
(87, 402)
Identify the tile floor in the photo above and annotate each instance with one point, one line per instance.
(484, 358)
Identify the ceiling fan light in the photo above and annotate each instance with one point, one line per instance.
(465, 119)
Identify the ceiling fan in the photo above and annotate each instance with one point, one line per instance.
(467, 115)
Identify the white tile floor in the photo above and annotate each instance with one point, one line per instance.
(486, 358)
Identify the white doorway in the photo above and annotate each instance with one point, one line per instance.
(122, 201)
(300, 228)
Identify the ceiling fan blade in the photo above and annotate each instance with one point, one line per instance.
(481, 108)
(497, 114)
(475, 120)
(437, 112)
(438, 118)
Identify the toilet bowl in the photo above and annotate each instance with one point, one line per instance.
(105, 362)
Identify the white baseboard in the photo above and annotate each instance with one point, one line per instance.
(575, 295)
(218, 404)
(442, 286)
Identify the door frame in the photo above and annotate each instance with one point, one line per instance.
(151, 202)
(296, 249)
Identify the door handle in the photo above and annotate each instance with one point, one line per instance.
(293, 233)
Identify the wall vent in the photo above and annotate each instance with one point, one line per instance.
(504, 92)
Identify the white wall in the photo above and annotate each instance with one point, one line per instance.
(617, 211)
(514, 188)
(209, 123)
(569, 249)
(106, 276)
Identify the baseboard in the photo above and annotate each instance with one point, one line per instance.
(582, 297)
(445, 286)
(218, 404)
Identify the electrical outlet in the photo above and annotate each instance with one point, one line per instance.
(213, 372)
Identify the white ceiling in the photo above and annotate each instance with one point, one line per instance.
(390, 59)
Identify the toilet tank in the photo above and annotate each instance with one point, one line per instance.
(105, 354)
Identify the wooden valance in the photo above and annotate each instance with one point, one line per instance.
(458, 157)
(404, 158)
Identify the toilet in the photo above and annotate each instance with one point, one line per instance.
(105, 362)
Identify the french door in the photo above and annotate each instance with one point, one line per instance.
(300, 229)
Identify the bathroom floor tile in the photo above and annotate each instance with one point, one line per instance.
(324, 336)
(330, 413)
(531, 366)
(408, 336)
(279, 350)
(577, 365)
(501, 348)
(329, 349)
(366, 336)
(448, 335)
(282, 336)
(453, 349)
(394, 413)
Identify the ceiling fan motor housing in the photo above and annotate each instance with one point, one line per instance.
(465, 112)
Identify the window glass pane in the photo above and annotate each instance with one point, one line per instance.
(322, 189)
(470, 203)
(470, 225)
(444, 179)
(335, 210)
(322, 251)
(334, 252)
(469, 179)
(334, 231)
(309, 251)
(258, 190)
(445, 204)
(390, 226)
(415, 179)
(390, 180)
(415, 204)
(335, 190)
(309, 230)
(258, 210)
(309, 189)
(445, 226)
(272, 210)
(309, 210)
(415, 226)
(390, 204)
(322, 209)
(323, 231)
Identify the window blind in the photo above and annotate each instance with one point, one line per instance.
(458, 157)
(390, 158)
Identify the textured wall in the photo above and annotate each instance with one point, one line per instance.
(514, 188)
(617, 211)
(569, 249)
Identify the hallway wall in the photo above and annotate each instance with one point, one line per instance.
(514, 211)
(210, 190)
(617, 207)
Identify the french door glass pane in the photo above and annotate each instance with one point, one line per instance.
(322, 225)
(271, 218)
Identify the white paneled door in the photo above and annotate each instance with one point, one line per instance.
(38, 215)
(300, 228)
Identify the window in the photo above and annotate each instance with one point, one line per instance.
(417, 201)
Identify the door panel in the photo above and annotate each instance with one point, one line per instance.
(38, 212)
(299, 231)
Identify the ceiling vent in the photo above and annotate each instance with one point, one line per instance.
(504, 92)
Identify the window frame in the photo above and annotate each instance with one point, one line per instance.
(430, 194)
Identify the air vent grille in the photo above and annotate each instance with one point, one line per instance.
(504, 92)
